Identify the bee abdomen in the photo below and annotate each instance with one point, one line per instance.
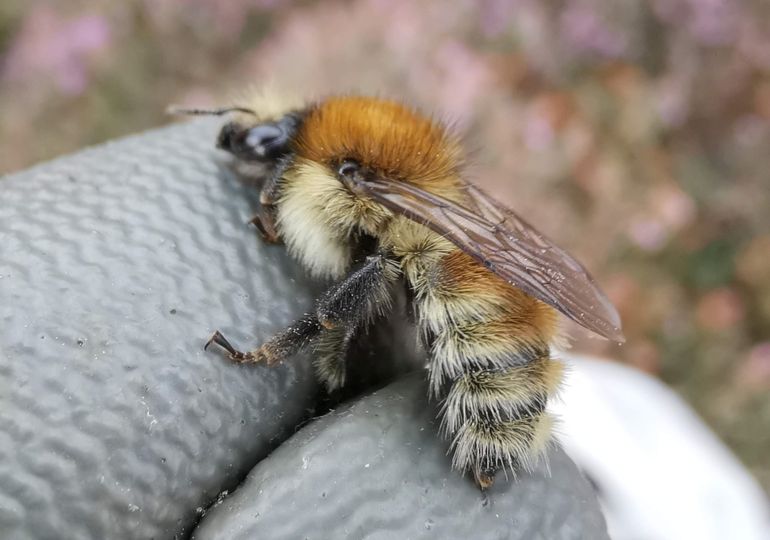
(490, 364)
(496, 418)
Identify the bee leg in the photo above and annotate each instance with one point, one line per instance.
(218, 339)
(264, 221)
(283, 345)
(361, 296)
(343, 309)
(265, 218)
(484, 478)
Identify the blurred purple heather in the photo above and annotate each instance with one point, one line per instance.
(635, 133)
(49, 46)
(586, 30)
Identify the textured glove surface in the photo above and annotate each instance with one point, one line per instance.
(375, 469)
(117, 264)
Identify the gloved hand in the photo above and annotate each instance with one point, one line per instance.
(116, 264)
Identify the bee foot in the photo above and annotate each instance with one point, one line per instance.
(239, 357)
(268, 234)
(484, 480)
(234, 354)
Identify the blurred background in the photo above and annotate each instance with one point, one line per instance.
(636, 133)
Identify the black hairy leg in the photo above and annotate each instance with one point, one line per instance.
(362, 296)
(283, 345)
(340, 312)
(345, 309)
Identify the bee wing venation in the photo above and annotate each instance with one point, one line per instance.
(510, 247)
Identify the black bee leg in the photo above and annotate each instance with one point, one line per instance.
(345, 308)
(291, 340)
(340, 312)
(361, 296)
(283, 345)
(264, 221)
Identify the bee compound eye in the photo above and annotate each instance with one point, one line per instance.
(266, 139)
(348, 169)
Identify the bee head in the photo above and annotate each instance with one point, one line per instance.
(249, 137)
(262, 142)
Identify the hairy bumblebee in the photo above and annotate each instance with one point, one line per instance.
(371, 193)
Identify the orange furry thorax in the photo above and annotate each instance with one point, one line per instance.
(384, 136)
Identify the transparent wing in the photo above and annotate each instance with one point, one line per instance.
(508, 246)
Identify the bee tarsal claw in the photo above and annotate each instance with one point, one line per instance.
(216, 338)
(234, 354)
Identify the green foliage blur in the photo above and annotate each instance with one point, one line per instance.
(635, 133)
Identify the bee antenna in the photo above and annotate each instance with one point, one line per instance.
(175, 109)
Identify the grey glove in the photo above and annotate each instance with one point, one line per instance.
(116, 264)
(375, 469)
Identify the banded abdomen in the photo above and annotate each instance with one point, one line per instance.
(490, 363)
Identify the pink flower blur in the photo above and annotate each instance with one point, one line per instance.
(48, 45)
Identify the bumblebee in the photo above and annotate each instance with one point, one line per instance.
(371, 193)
